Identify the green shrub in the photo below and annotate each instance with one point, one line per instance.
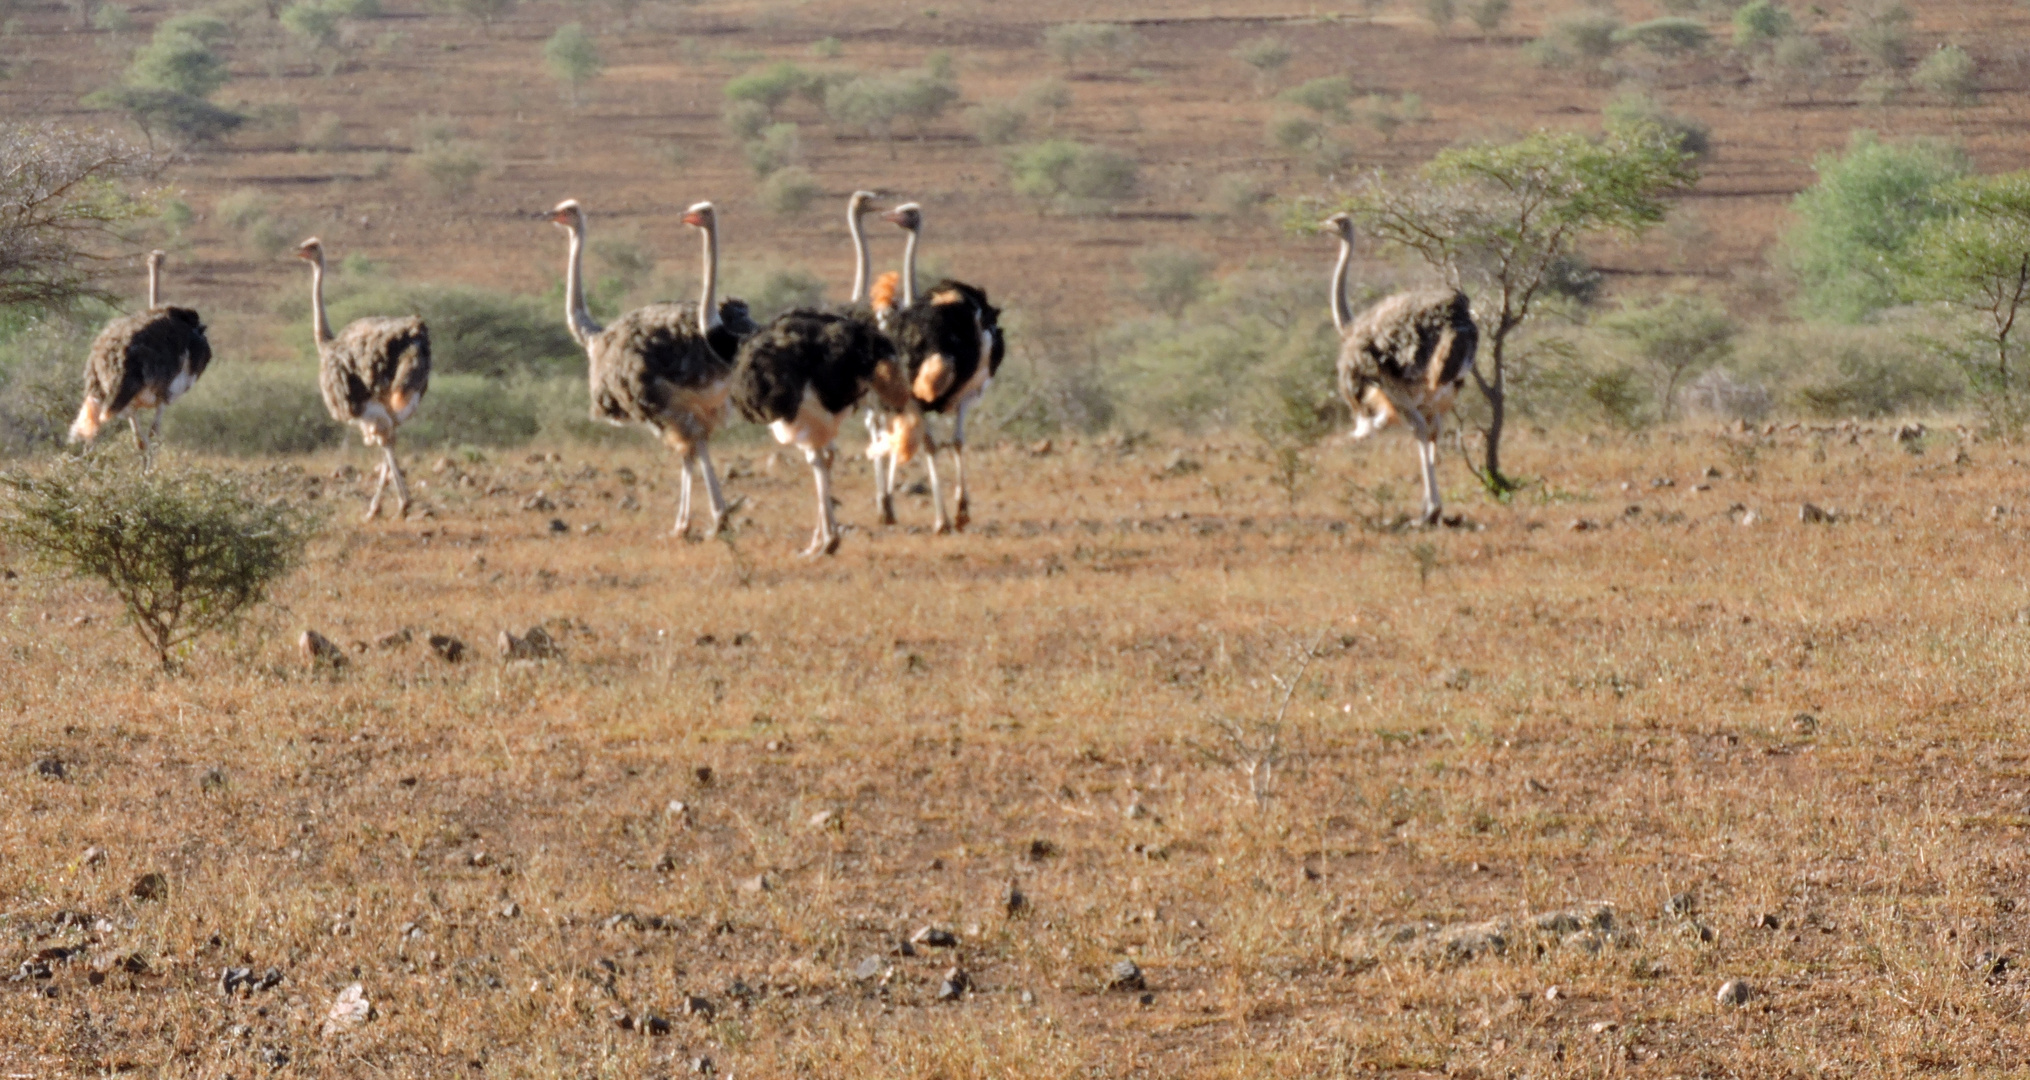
(178, 61)
(1675, 337)
(770, 291)
(40, 385)
(1575, 39)
(573, 58)
(998, 123)
(771, 87)
(1327, 97)
(1949, 73)
(1441, 13)
(1856, 219)
(252, 409)
(1067, 42)
(1762, 22)
(1487, 15)
(314, 23)
(1880, 30)
(775, 148)
(474, 410)
(745, 120)
(1266, 55)
(790, 191)
(187, 551)
(1669, 37)
(1794, 62)
(451, 169)
(1172, 278)
(1637, 108)
(1072, 176)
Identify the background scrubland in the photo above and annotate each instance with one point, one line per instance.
(1509, 799)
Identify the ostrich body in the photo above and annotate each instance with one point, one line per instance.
(1406, 357)
(372, 374)
(140, 361)
(802, 375)
(668, 366)
(949, 347)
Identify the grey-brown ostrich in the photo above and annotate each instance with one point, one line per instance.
(140, 361)
(372, 374)
(949, 345)
(668, 366)
(1406, 357)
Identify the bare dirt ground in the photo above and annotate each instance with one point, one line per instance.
(1781, 752)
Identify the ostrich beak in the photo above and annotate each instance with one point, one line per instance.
(695, 220)
(893, 217)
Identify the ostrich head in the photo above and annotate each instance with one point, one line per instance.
(1340, 225)
(908, 215)
(155, 259)
(861, 202)
(311, 251)
(568, 214)
(702, 216)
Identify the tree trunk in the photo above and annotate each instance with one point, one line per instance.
(1495, 390)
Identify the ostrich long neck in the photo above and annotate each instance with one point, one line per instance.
(708, 299)
(909, 271)
(154, 284)
(1342, 313)
(576, 315)
(862, 267)
(319, 325)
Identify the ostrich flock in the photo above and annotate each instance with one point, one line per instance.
(681, 369)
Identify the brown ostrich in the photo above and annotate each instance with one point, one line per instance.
(373, 373)
(1406, 357)
(668, 366)
(140, 361)
(949, 346)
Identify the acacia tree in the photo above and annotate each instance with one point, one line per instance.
(1501, 218)
(63, 201)
(1977, 260)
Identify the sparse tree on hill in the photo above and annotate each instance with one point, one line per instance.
(1266, 55)
(1976, 260)
(484, 12)
(1949, 73)
(64, 201)
(573, 58)
(1068, 42)
(1676, 337)
(1853, 224)
(167, 87)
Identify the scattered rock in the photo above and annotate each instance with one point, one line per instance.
(703, 1066)
(868, 968)
(1126, 975)
(93, 858)
(1713, 473)
(704, 775)
(448, 647)
(1602, 1027)
(349, 1010)
(1146, 1000)
(393, 641)
(1768, 921)
(536, 644)
(149, 886)
(510, 910)
(1991, 965)
(1014, 903)
(213, 779)
(232, 978)
(539, 503)
(1815, 515)
(756, 884)
(559, 525)
(697, 1006)
(320, 651)
(1040, 448)
(1135, 810)
(1554, 993)
(1804, 723)
(1750, 517)
(49, 768)
(934, 937)
(1583, 525)
(1596, 916)
(652, 1025)
(1041, 849)
(1457, 679)
(1681, 905)
(956, 983)
(1733, 993)
(1909, 433)
(825, 820)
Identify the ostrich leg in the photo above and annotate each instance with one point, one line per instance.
(713, 496)
(964, 515)
(937, 495)
(825, 540)
(394, 469)
(884, 467)
(380, 485)
(683, 525)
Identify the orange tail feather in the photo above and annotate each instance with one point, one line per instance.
(886, 288)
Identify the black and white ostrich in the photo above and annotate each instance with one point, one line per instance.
(140, 361)
(950, 345)
(667, 365)
(802, 375)
(1406, 357)
(373, 374)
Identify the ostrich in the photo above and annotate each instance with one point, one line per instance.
(802, 374)
(374, 374)
(147, 359)
(950, 347)
(666, 365)
(1405, 357)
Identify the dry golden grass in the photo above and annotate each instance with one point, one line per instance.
(1497, 723)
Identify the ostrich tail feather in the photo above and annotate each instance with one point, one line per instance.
(886, 288)
(90, 416)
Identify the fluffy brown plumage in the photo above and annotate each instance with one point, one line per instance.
(1404, 358)
(372, 374)
(139, 361)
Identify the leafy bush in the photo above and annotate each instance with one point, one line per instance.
(1880, 30)
(1072, 176)
(1045, 96)
(771, 87)
(451, 169)
(1576, 38)
(1856, 219)
(1668, 37)
(1327, 97)
(187, 551)
(998, 123)
(1761, 22)
(573, 58)
(1487, 15)
(770, 291)
(1794, 62)
(1266, 55)
(316, 24)
(1067, 42)
(790, 191)
(776, 147)
(1636, 108)
(1172, 278)
(1441, 13)
(178, 61)
(1676, 337)
(745, 120)
(251, 410)
(39, 384)
(1949, 73)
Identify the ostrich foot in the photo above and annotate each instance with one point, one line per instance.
(887, 508)
(720, 519)
(1432, 514)
(822, 545)
(963, 518)
(944, 528)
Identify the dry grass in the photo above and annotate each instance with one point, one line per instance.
(1503, 723)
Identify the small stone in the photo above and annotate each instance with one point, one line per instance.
(1126, 975)
(1804, 723)
(396, 640)
(320, 651)
(621, 1018)
(1815, 515)
(1604, 1026)
(1583, 525)
(697, 1006)
(510, 910)
(703, 1066)
(652, 1025)
(557, 525)
(1014, 903)
(704, 775)
(934, 937)
(1713, 473)
(1991, 965)
(1554, 993)
(49, 768)
(93, 858)
(149, 886)
(756, 884)
(1733, 993)
(538, 502)
(1147, 999)
(824, 820)
(1135, 810)
(448, 647)
(212, 779)
(350, 1009)
(956, 983)
(269, 979)
(868, 968)
(1751, 518)
(1040, 448)
(232, 978)
(1768, 921)
(1681, 904)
